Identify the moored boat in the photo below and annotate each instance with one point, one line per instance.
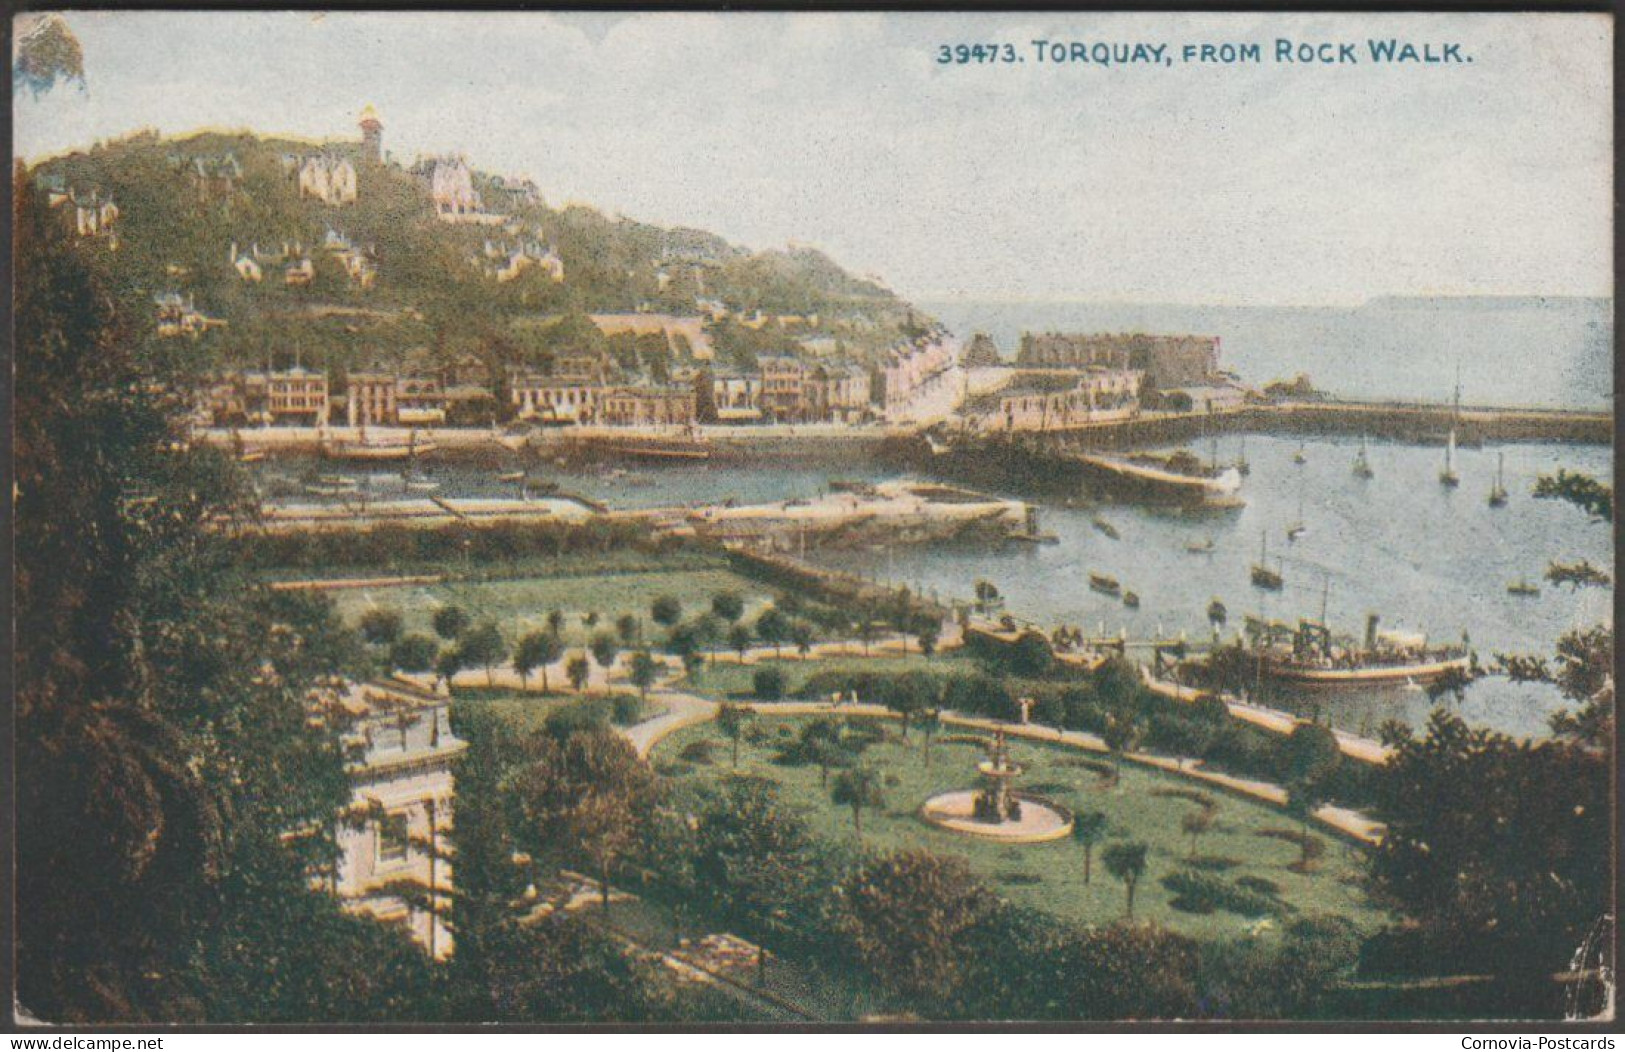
(1498, 491)
(1308, 657)
(1105, 527)
(1106, 585)
(1262, 576)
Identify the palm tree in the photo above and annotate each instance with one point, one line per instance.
(1195, 823)
(929, 722)
(1089, 829)
(858, 788)
(1126, 862)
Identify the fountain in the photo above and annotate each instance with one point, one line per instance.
(995, 809)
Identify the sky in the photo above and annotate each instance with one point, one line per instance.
(1245, 183)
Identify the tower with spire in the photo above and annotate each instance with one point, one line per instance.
(372, 136)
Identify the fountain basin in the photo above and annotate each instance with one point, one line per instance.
(1041, 820)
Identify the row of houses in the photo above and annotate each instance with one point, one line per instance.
(912, 369)
(1038, 400)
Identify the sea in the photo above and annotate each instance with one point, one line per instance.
(1509, 351)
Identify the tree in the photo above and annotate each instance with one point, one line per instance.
(1126, 862)
(450, 662)
(820, 742)
(1578, 575)
(772, 627)
(1122, 736)
(583, 797)
(1579, 489)
(859, 789)
(801, 634)
(1089, 829)
(163, 697)
(628, 628)
(910, 693)
(644, 671)
(604, 649)
(740, 639)
(929, 722)
(755, 864)
(666, 610)
(731, 721)
(986, 595)
(578, 670)
(1500, 849)
(536, 650)
(381, 626)
(555, 623)
(484, 646)
(413, 653)
(1195, 823)
(728, 606)
(927, 632)
(450, 622)
(905, 914)
(867, 630)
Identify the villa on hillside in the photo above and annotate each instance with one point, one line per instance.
(328, 178)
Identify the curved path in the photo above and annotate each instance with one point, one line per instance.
(685, 710)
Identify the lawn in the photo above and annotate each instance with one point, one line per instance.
(1050, 876)
(522, 605)
(727, 679)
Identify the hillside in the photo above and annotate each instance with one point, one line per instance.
(411, 285)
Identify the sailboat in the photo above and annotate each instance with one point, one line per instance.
(1262, 576)
(1242, 467)
(1362, 463)
(1297, 528)
(1498, 492)
(1299, 457)
(1447, 476)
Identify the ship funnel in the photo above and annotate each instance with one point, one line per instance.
(1371, 631)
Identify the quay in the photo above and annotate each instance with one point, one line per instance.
(888, 513)
(1396, 421)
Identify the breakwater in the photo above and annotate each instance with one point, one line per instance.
(1392, 421)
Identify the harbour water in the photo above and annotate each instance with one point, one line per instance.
(1424, 557)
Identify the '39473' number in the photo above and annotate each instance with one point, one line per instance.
(965, 54)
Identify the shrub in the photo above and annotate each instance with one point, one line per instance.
(768, 683)
(699, 752)
(1312, 850)
(1261, 885)
(626, 709)
(1200, 893)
